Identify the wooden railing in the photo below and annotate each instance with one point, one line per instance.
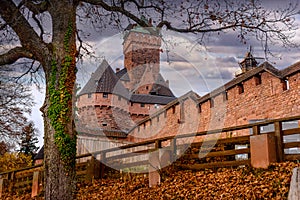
(191, 151)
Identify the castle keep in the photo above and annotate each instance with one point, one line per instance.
(112, 102)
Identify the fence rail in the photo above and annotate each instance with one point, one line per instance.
(190, 151)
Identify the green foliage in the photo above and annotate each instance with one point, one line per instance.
(60, 106)
(12, 161)
(29, 140)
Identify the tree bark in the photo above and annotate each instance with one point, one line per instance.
(60, 136)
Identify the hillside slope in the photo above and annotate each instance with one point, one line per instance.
(223, 183)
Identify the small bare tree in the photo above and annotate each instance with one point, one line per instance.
(45, 31)
(15, 103)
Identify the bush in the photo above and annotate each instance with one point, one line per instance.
(11, 161)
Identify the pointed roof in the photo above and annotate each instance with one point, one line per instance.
(248, 63)
(104, 80)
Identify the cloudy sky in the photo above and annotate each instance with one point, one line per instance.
(184, 62)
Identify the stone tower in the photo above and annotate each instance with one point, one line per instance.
(141, 48)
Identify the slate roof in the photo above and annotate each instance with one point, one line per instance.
(152, 99)
(104, 79)
(122, 75)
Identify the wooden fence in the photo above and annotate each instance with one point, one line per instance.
(191, 151)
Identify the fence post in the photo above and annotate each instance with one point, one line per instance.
(93, 169)
(174, 149)
(279, 141)
(154, 165)
(1, 186)
(11, 180)
(35, 183)
(102, 164)
(294, 192)
(256, 130)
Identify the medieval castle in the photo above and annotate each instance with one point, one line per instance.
(135, 103)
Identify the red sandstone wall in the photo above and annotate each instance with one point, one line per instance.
(267, 100)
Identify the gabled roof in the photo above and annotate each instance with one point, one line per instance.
(104, 80)
(161, 90)
(122, 75)
(152, 99)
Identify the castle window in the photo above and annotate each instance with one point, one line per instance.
(89, 95)
(182, 114)
(119, 98)
(173, 109)
(199, 108)
(131, 103)
(147, 87)
(105, 95)
(225, 96)
(142, 105)
(212, 102)
(257, 79)
(285, 84)
(241, 88)
(104, 124)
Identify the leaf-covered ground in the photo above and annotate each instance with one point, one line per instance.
(238, 183)
(224, 183)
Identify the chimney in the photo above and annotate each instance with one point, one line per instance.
(117, 70)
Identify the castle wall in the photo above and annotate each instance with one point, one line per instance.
(111, 112)
(265, 100)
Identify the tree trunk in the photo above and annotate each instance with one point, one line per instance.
(60, 136)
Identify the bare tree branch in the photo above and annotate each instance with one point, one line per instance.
(36, 8)
(13, 55)
(119, 9)
(28, 37)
